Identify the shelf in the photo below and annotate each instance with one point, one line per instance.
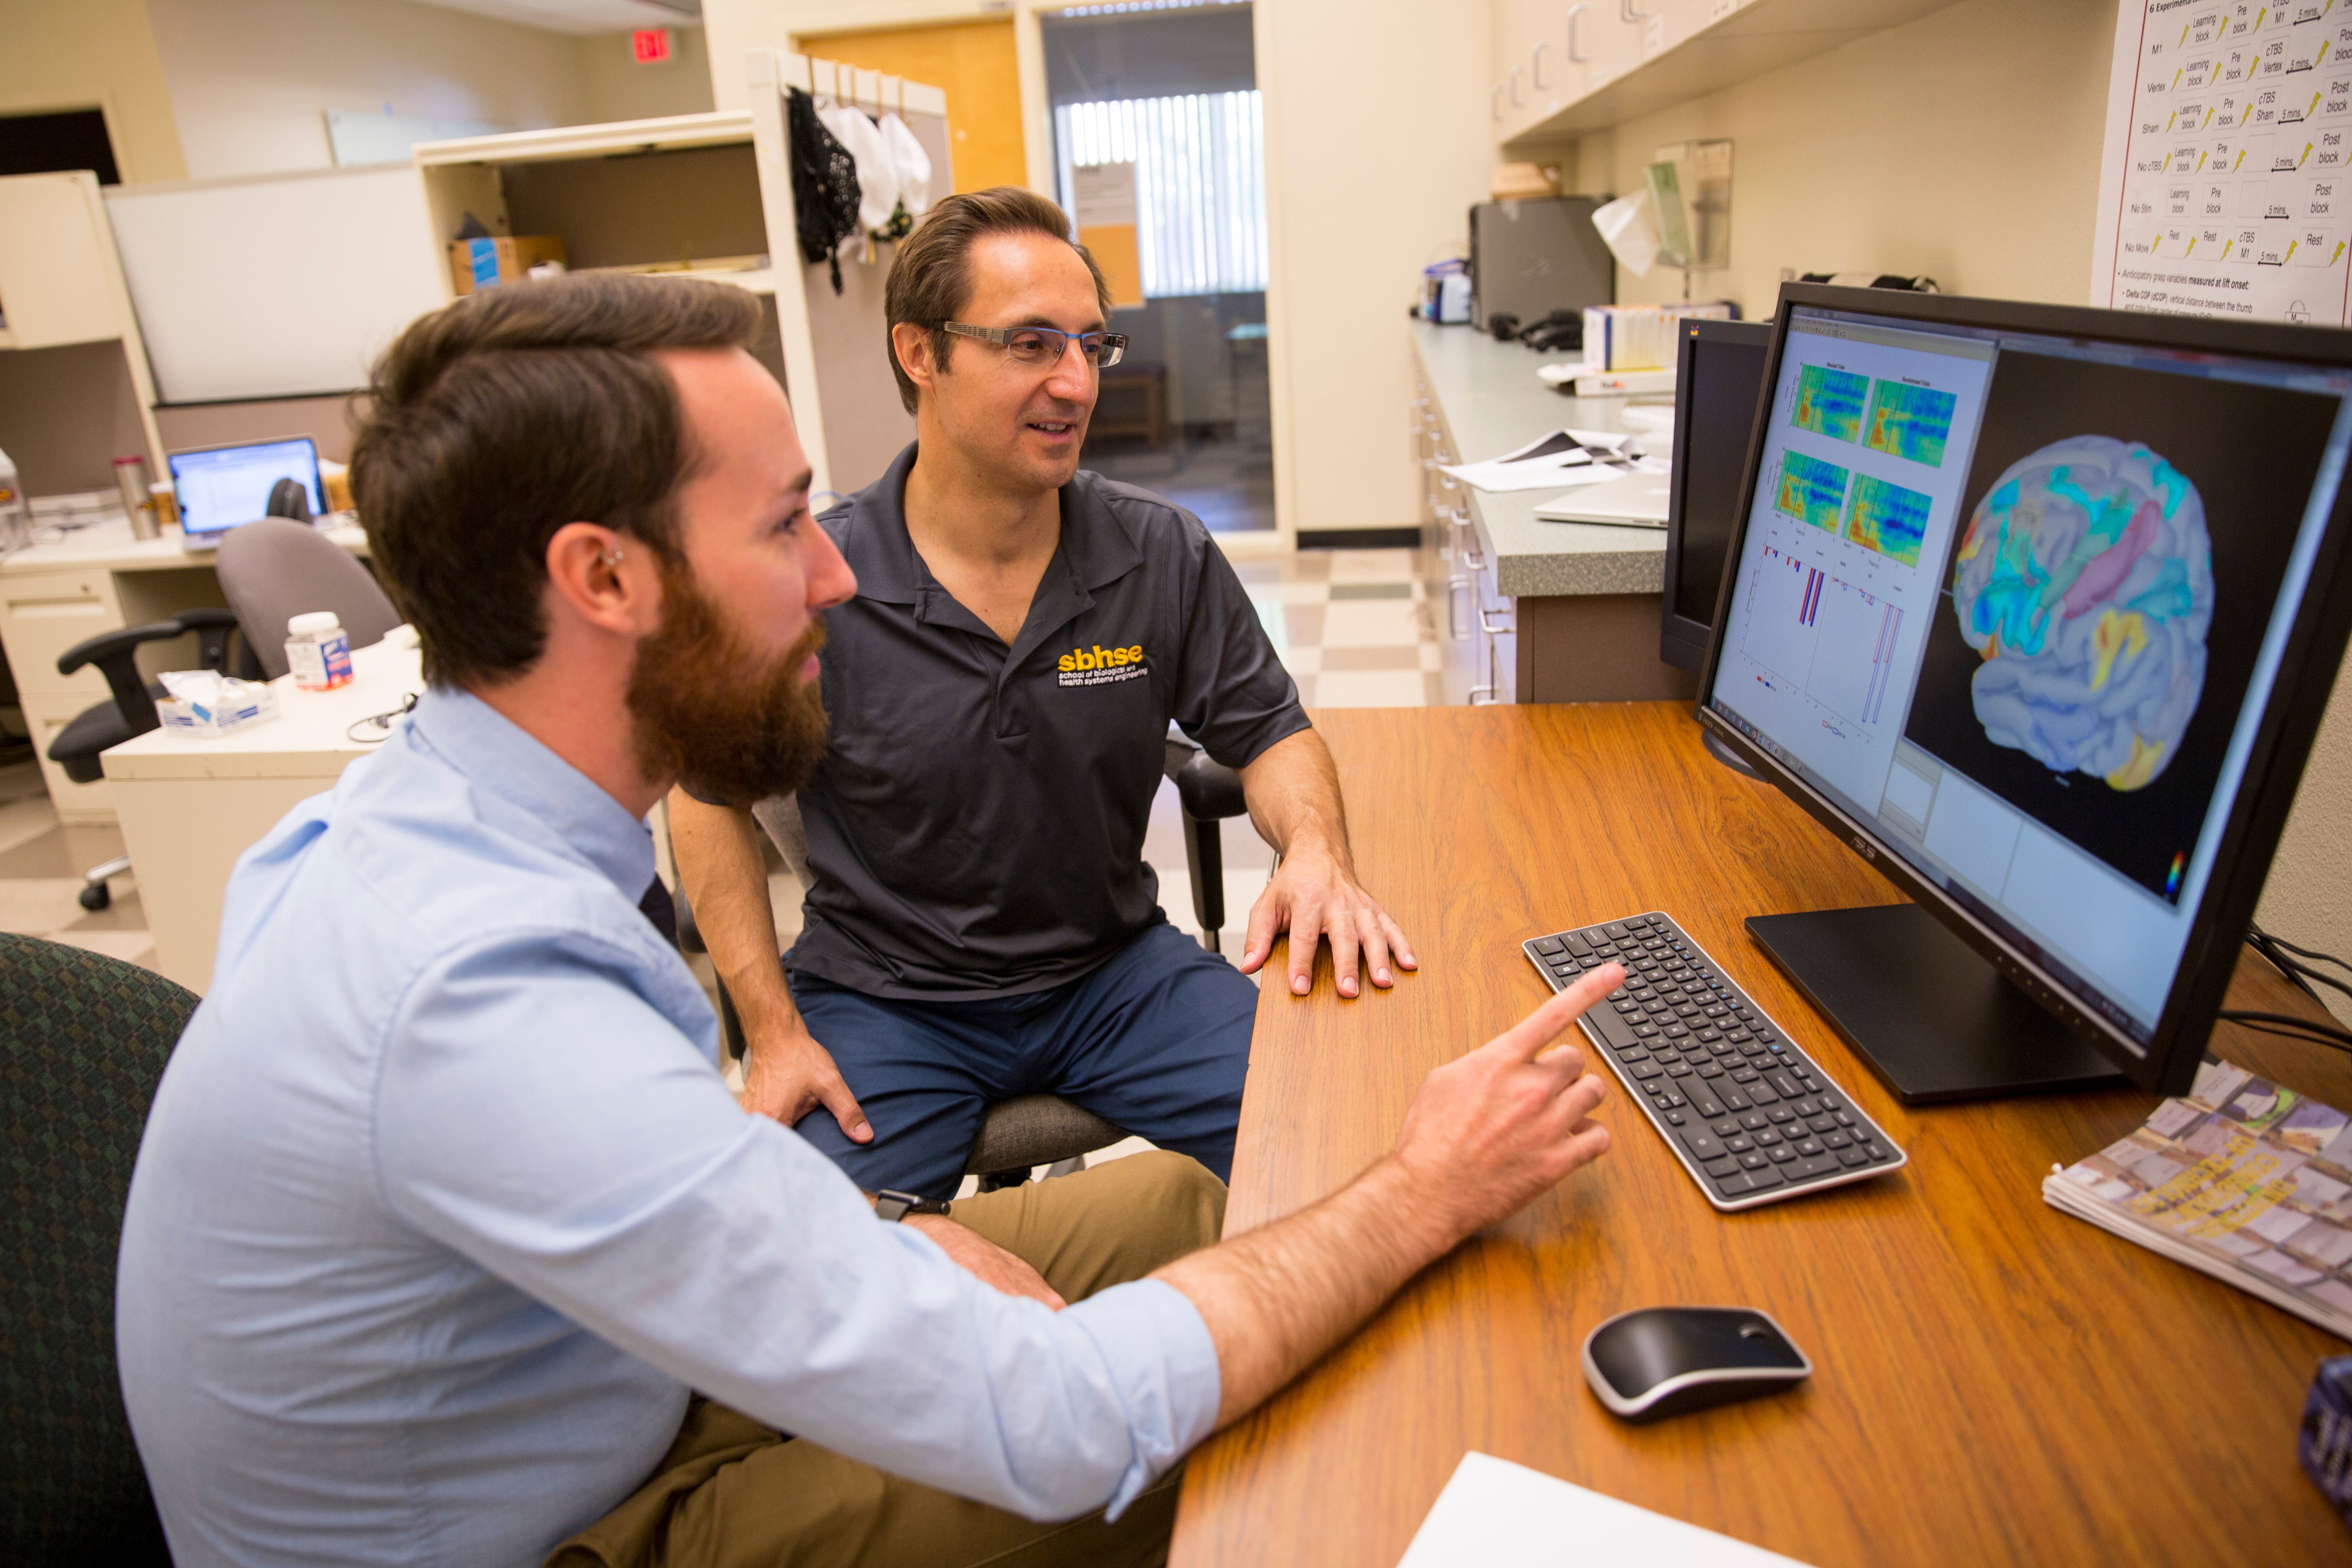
(1761, 36)
(669, 133)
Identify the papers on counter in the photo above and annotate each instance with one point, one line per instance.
(1562, 459)
(1496, 1514)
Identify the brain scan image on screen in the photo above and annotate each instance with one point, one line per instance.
(2086, 583)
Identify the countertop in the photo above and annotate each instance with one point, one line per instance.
(113, 547)
(1489, 401)
(310, 736)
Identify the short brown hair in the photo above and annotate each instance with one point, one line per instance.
(498, 419)
(930, 278)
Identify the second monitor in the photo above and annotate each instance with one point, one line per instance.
(1718, 384)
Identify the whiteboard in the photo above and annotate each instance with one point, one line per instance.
(280, 285)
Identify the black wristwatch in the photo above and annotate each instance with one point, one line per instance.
(891, 1205)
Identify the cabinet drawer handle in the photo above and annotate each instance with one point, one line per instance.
(1454, 585)
(1625, 9)
(1515, 87)
(1472, 555)
(1489, 695)
(1486, 623)
(1541, 83)
(1575, 49)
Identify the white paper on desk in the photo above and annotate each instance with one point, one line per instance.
(1496, 1514)
(1561, 458)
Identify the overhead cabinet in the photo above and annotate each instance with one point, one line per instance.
(1564, 69)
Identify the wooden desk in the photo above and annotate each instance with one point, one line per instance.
(1995, 1382)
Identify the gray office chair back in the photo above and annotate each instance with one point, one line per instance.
(276, 569)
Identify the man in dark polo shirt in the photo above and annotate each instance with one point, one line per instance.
(980, 924)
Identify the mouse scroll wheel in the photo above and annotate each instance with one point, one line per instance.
(1754, 1331)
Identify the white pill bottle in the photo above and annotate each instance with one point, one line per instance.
(318, 651)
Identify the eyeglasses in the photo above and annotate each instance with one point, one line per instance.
(1038, 346)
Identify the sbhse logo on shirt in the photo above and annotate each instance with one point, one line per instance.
(1100, 665)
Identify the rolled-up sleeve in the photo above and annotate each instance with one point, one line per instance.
(552, 1125)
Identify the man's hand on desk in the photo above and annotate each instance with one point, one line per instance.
(1496, 1127)
(1487, 1133)
(1314, 894)
(787, 1075)
(984, 1260)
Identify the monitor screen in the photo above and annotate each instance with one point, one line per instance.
(222, 487)
(1719, 378)
(2014, 603)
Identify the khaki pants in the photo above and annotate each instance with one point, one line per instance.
(732, 1493)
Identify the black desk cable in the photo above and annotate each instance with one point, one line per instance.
(382, 721)
(2288, 960)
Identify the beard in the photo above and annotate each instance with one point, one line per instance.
(711, 715)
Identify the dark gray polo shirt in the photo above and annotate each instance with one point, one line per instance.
(977, 826)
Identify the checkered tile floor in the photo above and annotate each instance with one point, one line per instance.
(1353, 627)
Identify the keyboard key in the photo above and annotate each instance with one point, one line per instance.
(1781, 1153)
(1709, 1106)
(1647, 1070)
(1844, 1119)
(1770, 1177)
(1761, 1093)
(1614, 930)
(1722, 1167)
(1766, 1138)
(1804, 1108)
(1703, 1145)
(1816, 1165)
(1549, 945)
(1725, 1127)
(1835, 1140)
(1820, 1123)
(1674, 1118)
(1578, 946)
(1809, 1147)
(1781, 1117)
(1676, 1101)
(1739, 1145)
(1753, 1161)
(1736, 1186)
(1852, 1157)
(1754, 1122)
(1786, 1083)
(1735, 1100)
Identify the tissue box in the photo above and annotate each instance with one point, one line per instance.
(203, 705)
(1639, 337)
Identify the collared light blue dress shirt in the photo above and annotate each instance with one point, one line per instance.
(443, 1208)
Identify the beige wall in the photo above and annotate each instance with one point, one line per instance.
(620, 88)
(251, 81)
(1964, 146)
(1377, 143)
(71, 56)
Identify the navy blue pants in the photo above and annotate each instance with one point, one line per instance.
(1156, 1041)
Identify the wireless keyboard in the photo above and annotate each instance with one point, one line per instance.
(1748, 1114)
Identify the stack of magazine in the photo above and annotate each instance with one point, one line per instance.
(2245, 1180)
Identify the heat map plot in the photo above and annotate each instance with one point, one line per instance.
(1810, 491)
(1888, 519)
(1829, 401)
(1912, 422)
(2086, 582)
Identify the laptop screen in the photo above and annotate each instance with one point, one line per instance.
(220, 487)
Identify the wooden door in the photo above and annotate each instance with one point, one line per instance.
(974, 63)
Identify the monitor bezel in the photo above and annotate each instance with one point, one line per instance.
(1683, 642)
(2282, 743)
(318, 486)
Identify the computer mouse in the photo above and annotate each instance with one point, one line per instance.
(1663, 1361)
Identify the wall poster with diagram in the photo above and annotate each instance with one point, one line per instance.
(2221, 190)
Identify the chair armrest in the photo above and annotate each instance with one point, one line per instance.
(107, 646)
(1208, 791)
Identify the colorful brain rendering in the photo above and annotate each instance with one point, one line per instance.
(2086, 582)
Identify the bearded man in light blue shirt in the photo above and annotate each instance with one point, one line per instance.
(448, 1243)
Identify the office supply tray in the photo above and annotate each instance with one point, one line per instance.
(1749, 1114)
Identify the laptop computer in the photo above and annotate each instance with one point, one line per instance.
(1637, 500)
(223, 488)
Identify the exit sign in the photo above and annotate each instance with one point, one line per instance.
(652, 45)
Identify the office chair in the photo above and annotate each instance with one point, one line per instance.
(275, 569)
(85, 1042)
(1207, 792)
(129, 711)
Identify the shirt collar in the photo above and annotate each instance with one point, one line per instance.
(1097, 541)
(501, 760)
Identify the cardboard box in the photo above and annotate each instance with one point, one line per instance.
(506, 258)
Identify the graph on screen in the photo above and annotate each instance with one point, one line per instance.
(1817, 633)
(1829, 401)
(1810, 491)
(1910, 422)
(1888, 519)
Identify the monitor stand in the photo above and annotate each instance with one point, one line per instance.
(1926, 1013)
(1726, 755)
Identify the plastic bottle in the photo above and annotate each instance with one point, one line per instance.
(318, 651)
(16, 523)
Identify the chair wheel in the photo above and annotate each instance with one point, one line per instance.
(96, 897)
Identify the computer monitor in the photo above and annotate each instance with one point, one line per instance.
(2037, 607)
(1718, 381)
(220, 487)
